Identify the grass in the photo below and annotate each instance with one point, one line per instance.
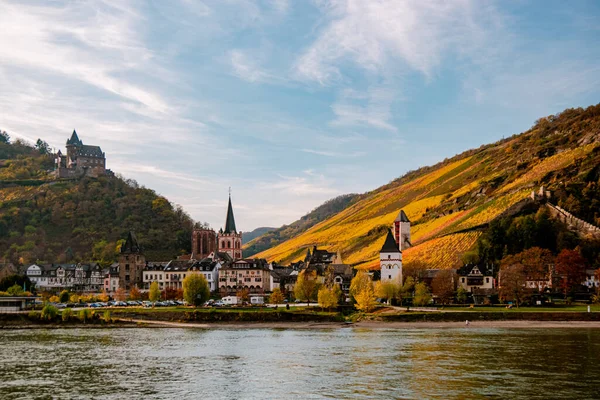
(143, 310)
(502, 308)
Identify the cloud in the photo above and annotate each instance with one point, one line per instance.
(245, 67)
(334, 153)
(371, 109)
(308, 185)
(374, 35)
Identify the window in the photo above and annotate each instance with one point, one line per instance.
(389, 256)
(389, 277)
(126, 267)
(487, 280)
(127, 278)
(209, 277)
(228, 244)
(257, 279)
(246, 279)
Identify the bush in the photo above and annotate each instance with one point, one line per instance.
(33, 315)
(64, 296)
(49, 312)
(106, 316)
(66, 314)
(85, 315)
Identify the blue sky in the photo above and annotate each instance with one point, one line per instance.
(288, 102)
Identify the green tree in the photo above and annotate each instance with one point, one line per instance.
(15, 290)
(306, 285)
(66, 314)
(386, 290)
(63, 297)
(461, 295)
(154, 294)
(42, 147)
(276, 296)
(195, 289)
(4, 137)
(422, 294)
(49, 312)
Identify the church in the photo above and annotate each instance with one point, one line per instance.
(205, 241)
(390, 255)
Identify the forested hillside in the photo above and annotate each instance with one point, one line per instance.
(42, 219)
(286, 232)
(452, 204)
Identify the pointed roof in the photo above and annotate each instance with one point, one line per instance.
(402, 217)
(230, 221)
(390, 245)
(74, 140)
(131, 245)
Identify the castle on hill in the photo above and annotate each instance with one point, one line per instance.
(81, 160)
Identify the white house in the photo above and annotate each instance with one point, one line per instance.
(390, 260)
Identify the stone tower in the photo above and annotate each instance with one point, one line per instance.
(229, 240)
(204, 242)
(131, 263)
(390, 260)
(401, 229)
(72, 145)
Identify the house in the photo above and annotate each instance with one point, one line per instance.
(7, 269)
(251, 274)
(76, 277)
(14, 304)
(210, 269)
(472, 277)
(111, 278)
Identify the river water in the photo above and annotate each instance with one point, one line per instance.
(300, 364)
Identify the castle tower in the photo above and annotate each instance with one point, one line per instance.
(131, 263)
(390, 260)
(402, 231)
(72, 144)
(229, 240)
(204, 242)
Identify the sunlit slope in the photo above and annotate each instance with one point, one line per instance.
(451, 203)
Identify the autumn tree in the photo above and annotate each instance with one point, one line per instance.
(134, 293)
(570, 267)
(415, 269)
(306, 285)
(154, 293)
(327, 297)
(361, 290)
(243, 295)
(513, 283)
(536, 263)
(387, 290)
(443, 285)
(64, 296)
(121, 294)
(102, 296)
(422, 295)
(195, 289)
(276, 296)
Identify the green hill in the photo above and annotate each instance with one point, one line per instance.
(452, 203)
(54, 220)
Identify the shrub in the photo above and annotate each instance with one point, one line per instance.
(85, 315)
(33, 315)
(64, 296)
(49, 312)
(106, 316)
(67, 313)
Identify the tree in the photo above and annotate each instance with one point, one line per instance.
(359, 283)
(306, 284)
(327, 297)
(461, 295)
(134, 293)
(276, 296)
(42, 147)
(121, 294)
(513, 283)
(195, 289)
(387, 290)
(154, 294)
(74, 298)
(243, 295)
(365, 299)
(15, 279)
(536, 263)
(64, 296)
(4, 137)
(415, 269)
(570, 266)
(443, 285)
(103, 296)
(422, 294)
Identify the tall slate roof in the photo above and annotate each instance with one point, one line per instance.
(131, 244)
(402, 217)
(90, 151)
(390, 245)
(74, 140)
(230, 220)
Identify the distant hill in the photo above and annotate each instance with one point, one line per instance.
(286, 232)
(55, 220)
(250, 236)
(452, 203)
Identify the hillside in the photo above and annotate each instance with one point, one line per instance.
(49, 220)
(250, 236)
(452, 203)
(286, 232)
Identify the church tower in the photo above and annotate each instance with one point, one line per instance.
(131, 263)
(390, 260)
(72, 145)
(229, 240)
(402, 231)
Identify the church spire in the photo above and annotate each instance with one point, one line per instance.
(230, 221)
(74, 140)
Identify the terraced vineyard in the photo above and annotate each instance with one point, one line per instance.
(451, 203)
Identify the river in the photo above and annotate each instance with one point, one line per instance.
(299, 364)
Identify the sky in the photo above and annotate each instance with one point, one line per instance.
(288, 102)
